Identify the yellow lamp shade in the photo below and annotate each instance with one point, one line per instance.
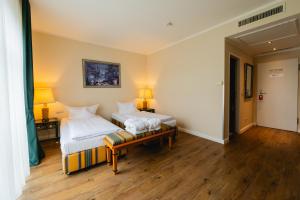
(43, 96)
(145, 93)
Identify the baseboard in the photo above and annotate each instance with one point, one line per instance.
(246, 128)
(204, 135)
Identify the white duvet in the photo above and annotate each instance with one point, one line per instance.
(163, 118)
(147, 115)
(90, 127)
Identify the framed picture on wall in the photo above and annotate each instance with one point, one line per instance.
(248, 81)
(99, 74)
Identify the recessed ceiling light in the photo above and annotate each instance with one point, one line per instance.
(170, 24)
(269, 42)
(274, 49)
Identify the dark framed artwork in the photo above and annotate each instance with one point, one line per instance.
(248, 81)
(99, 74)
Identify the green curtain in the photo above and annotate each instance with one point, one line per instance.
(36, 152)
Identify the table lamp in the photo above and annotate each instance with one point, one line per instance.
(44, 96)
(145, 94)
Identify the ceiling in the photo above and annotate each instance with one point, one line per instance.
(134, 25)
(279, 36)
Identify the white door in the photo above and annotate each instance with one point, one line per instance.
(277, 94)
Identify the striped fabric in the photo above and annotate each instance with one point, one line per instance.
(83, 159)
(141, 135)
(124, 136)
(120, 137)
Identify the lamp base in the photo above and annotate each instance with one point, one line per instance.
(145, 104)
(45, 114)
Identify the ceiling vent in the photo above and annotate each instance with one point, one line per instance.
(268, 13)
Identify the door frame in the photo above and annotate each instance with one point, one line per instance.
(237, 93)
(298, 100)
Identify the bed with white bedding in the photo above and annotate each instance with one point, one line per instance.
(165, 119)
(82, 141)
(82, 134)
(141, 122)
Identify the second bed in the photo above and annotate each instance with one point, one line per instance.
(119, 119)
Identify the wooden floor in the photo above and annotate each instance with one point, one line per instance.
(259, 164)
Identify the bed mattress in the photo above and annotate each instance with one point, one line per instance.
(69, 146)
(168, 120)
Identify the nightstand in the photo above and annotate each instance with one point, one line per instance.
(53, 123)
(152, 110)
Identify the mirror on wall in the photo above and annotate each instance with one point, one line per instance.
(248, 81)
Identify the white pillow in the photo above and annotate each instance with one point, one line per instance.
(93, 109)
(126, 108)
(79, 113)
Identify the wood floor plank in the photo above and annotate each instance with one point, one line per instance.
(262, 163)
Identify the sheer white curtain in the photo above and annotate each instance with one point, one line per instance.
(14, 162)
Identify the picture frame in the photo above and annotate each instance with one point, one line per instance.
(101, 74)
(248, 80)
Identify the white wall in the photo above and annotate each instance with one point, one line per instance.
(186, 80)
(187, 76)
(58, 64)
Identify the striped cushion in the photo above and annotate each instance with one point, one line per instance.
(124, 136)
(141, 135)
(120, 137)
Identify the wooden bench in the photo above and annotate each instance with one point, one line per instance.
(113, 149)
